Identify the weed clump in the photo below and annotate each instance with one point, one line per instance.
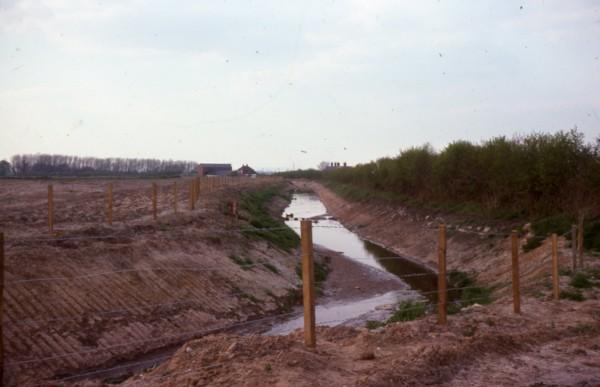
(581, 281)
(574, 295)
(407, 311)
(268, 227)
(466, 292)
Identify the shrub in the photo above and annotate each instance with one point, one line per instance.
(580, 280)
(408, 311)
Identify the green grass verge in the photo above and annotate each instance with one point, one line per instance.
(254, 203)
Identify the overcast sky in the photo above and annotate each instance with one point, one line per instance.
(280, 84)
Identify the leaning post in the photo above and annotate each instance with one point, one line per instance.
(308, 287)
(515, 272)
(442, 289)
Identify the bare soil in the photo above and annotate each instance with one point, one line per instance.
(551, 343)
(94, 295)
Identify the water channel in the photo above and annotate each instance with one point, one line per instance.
(419, 282)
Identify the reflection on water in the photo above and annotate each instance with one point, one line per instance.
(331, 234)
(334, 236)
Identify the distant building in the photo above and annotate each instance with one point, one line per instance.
(334, 165)
(245, 170)
(214, 169)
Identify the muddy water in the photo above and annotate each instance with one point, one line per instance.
(418, 282)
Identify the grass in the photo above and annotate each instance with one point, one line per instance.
(372, 324)
(581, 281)
(254, 204)
(407, 311)
(472, 294)
(573, 295)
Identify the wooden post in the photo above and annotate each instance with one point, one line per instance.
(308, 287)
(191, 195)
(515, 272)
(555, 284)
(50, 209)
(197, 189)
(442, 292)
(154, 204)
(175, 196)
(574, 246)
(580, 241)
(1, 309)
(109, 204)
(234, 209)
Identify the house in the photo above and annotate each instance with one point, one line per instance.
(214, 169)
(245, 170)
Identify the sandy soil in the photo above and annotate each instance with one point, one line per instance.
(144, 285)
(137, 304)
(552, 344)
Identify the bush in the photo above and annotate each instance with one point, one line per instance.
(535, 175)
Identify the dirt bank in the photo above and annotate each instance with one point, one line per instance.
(481, 248)
(554, 344)
(98, 295)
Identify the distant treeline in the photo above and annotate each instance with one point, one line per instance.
(61, 165)
(536, 174)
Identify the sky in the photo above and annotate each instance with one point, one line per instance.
(281, 85)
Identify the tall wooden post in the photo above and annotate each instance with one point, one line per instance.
(191, 195)
(574, 246)
(555, 283)
(515, 272)
(109, 204)
(175, 196)
(50, 209)
(308, 287)
(580, 241)
(442, 291)
(1, 309)
(154, 200)
(197, 189)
